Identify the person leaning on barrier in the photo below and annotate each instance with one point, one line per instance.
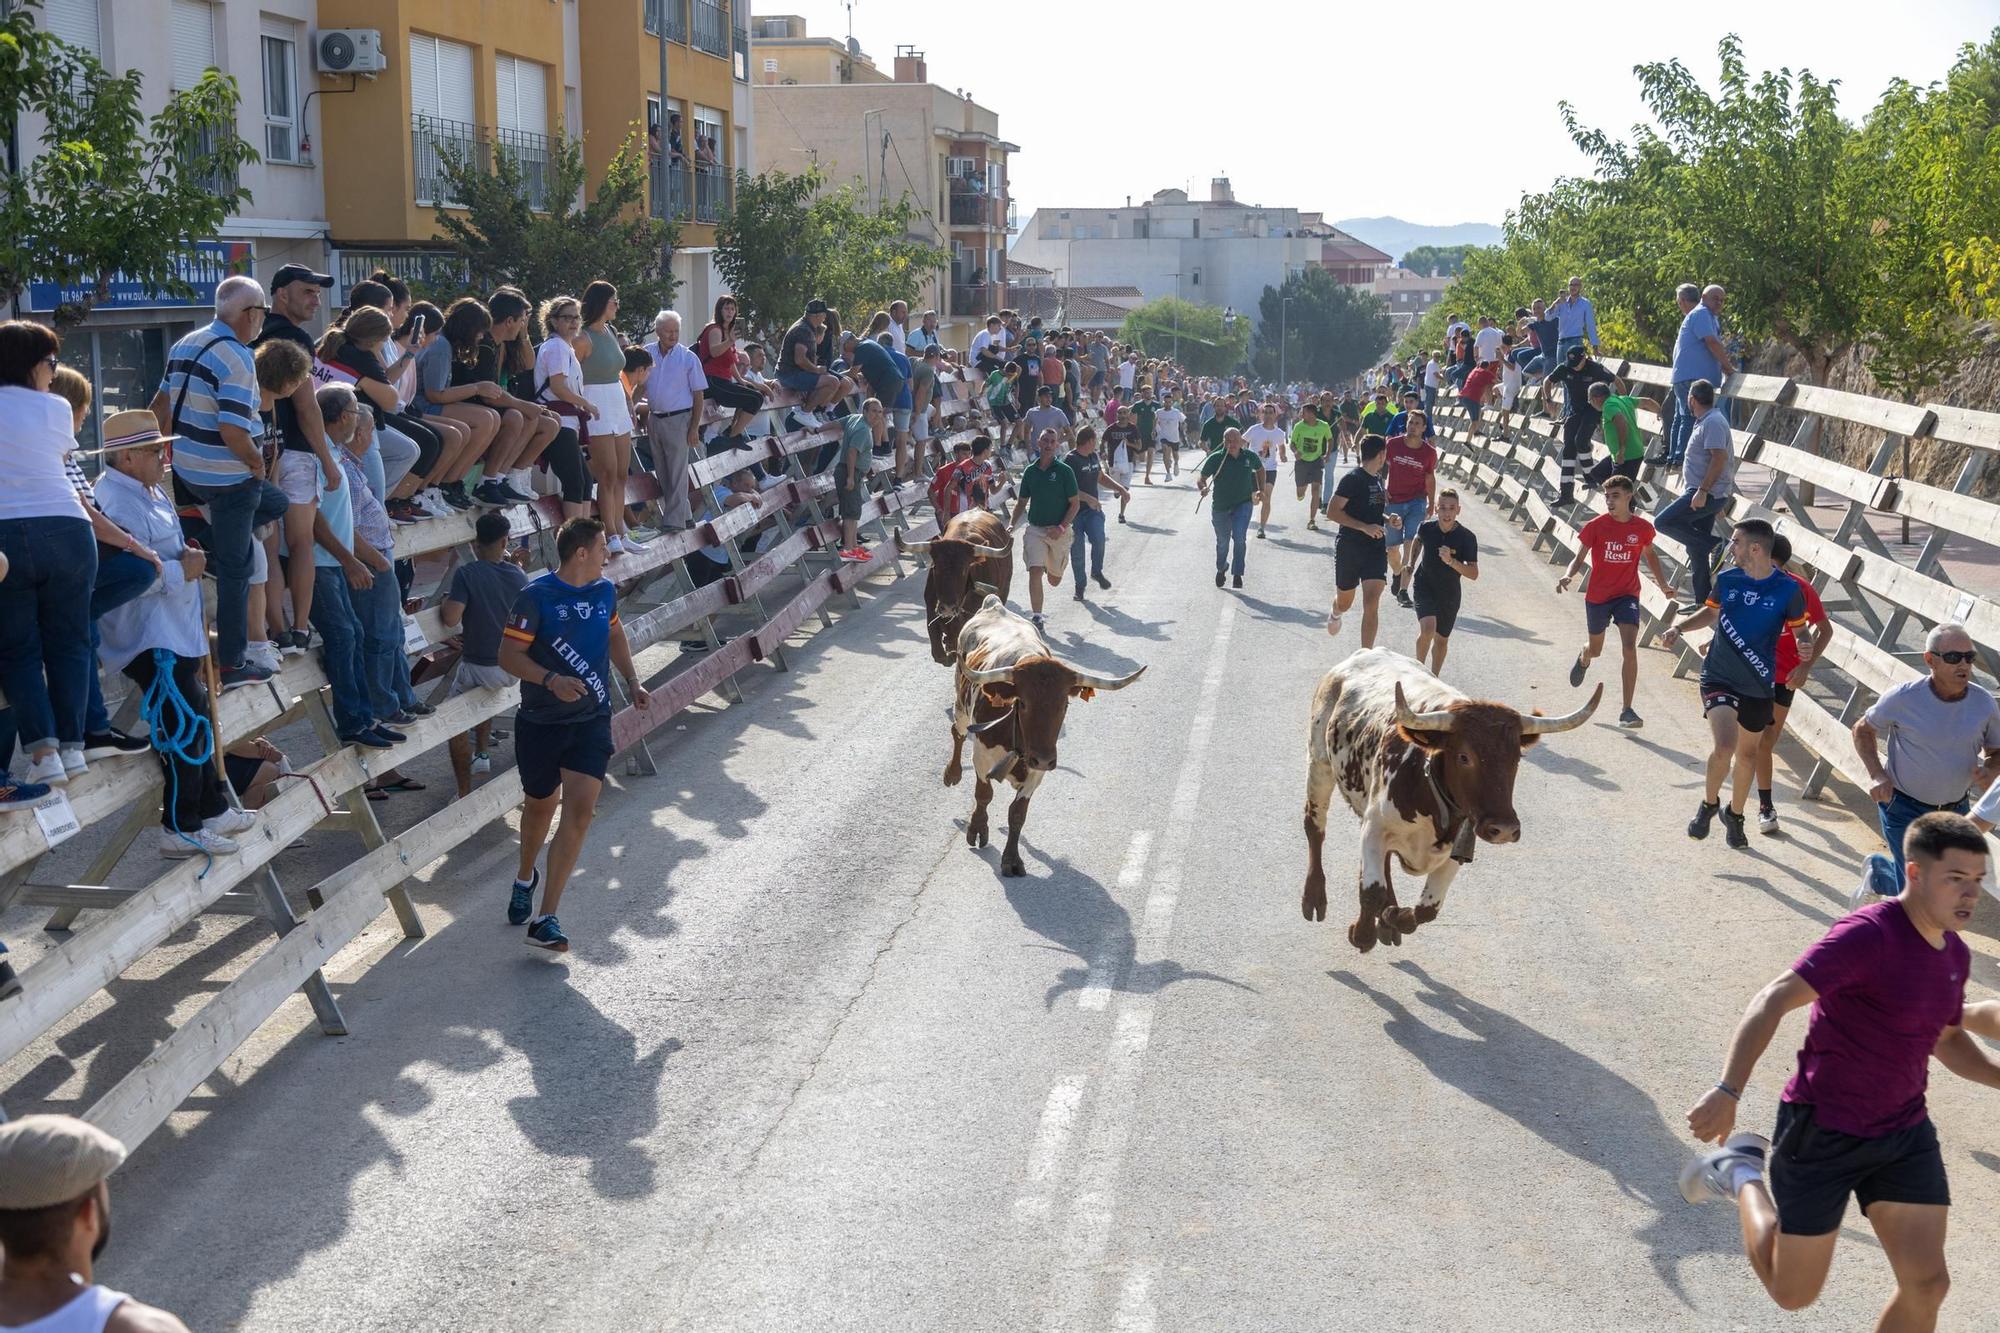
(55, 1220)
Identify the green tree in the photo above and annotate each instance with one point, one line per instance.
(790, 239)
(111, 193)
(1332, 332)
(1197, 336)
(1438, 261)
(562, 247)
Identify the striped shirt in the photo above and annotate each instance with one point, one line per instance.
(219, 376)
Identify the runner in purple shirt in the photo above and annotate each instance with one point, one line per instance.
(1887, 990)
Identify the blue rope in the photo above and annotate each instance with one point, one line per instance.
(179, 732)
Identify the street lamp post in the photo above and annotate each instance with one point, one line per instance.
(1284, 307)
(1177, 316)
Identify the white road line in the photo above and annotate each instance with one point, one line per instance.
(1135, 1302)
(1094, 1204)
(1102, 978)
(1052, 1138)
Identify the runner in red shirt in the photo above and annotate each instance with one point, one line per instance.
(1614, 544)
(1409, 482)
(944, 486)
(1472, 395)
(1791, 674)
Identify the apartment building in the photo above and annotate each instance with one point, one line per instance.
(784, 52)
(471, 76)
(907, 136)
(122, 346)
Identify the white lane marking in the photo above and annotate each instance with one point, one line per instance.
(1051, 1144)
(1094, 1204)
(1097, 986)
(1135, 1302)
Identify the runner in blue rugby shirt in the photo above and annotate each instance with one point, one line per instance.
(1750, 606)
(561, 642)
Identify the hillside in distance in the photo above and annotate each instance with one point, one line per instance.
(1398, 237)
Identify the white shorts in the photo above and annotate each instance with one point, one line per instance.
(920, 426)
(298, 476)
(899, 417)
(614, 414)
(1122, 471)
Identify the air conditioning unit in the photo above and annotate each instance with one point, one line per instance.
(349, 51)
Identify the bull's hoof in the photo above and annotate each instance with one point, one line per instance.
(953, 771)
(1312, 903)
(1426, 912)
(975, 835)
(1013, 867)
(1405, 919)
(1362, 934)
(1390, 928)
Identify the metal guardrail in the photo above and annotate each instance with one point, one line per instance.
(712, 188)
(534, 154)
(711, 28)
(973, 300)
(671, 192)
(677, 19)
(434, 141)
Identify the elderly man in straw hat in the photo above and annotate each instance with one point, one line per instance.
(55, 1220)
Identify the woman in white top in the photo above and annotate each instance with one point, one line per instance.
(559, 383)
(52, 557)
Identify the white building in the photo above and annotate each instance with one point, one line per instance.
(122, 346)
(1216, 251)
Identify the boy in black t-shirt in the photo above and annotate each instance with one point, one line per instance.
(1449, 554)
(1360, 558)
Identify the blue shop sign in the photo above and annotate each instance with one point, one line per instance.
(202, 267)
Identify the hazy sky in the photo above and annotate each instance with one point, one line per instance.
(1303, 104)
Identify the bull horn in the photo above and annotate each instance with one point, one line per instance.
(914, 548)
(990, 724)
(990, 552)
(1547, 726)
(990, 676)
(1440, 719)
(1084, 678)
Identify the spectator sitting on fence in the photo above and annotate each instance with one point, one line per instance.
(803, 372)
(345, 568)
(55, 1221)
(756, 374)
(722, 364)
(253, 768)
(407, 446)
(46, 536)
(125, 568)
(163, 630)
(506, 356)
(481, 595)
(447, 404)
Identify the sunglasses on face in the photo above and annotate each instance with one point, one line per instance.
(1957, 657)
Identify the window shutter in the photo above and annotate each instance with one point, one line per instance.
(423, 75)
(75, 21)
(454, 82)
(532, 94)
(505, 100)
(193, 42)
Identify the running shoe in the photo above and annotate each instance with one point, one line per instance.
(112, 743)
(1732, 829)
(1101, 581)
(73, 761)
(855, 555)
(546, 934)
(180, 846)
(19, 795)
(388, 734)
(615, 544)
(265, 655)
(634, 543)
(1260, 533)
(1708, 1178)
(231, 822)
(48, 771)
(521, 903)
(514, 494)
(1577, 670)
(1079, 592)
(1704, 815)
(371, 739)
(1333, 622)
(1630, 720)
(1219, 576)
(455, 497)
(1767, 820)
(1036, 620)
(491, 494)
(402, 512)
(431, 501)
(419, 709)
(482, 762)
(1236, 581)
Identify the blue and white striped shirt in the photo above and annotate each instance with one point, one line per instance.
(220, 377)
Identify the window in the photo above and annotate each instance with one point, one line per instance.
(521, 94)
(281, 127)
(193, 42)
(440, 78)
(1197, 277)
(75, 21)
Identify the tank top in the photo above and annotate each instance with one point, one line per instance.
(88, 1313)
(606, 361)
(721, 367)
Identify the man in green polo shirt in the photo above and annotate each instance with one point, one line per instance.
(1376, 420)
(1223, 421)
(1621, 437)
(1311, 438)
(1049, 498)
(1238, 475)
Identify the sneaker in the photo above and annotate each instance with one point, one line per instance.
(419, 709)
(401, 718)
(1732, 829)
(293, 642)
(546, 934)
(810, 420)
(371, 739)
(401, 512)
(250, 673)
(490, 493)
(1657, 458)
(1121, 518)
(455, 497)
(514, 494)
(430, 500)
(615, 544)
(482, 762)
(231, 822)
(1312, 525)
(1404, 600)
(264, 654)
(855, 555)
(1236, 581)
(1710, 1177)
(1260, 534)
(48, 771)
(1767, 821)
(1333, 622)
(110, 744)
(1878, 880)
(180, 846)
(19, 796)
(393, 737)
(1704, 815)
(10, 981)
(1079, 592)
(1630, 720)
(634, 542)
(521, 903)
(1101, 581)
(73, 761)
(1219, 576)
(1577, 670)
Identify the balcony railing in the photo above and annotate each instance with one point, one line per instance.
(978, 210)
(677, 19)
(972, 300)
(690, 193)
(434, 140)
(711, 28)
(741, 40)
(711, 192)
(203, 143)
(671, 191)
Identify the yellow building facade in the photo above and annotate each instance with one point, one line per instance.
(468, 77)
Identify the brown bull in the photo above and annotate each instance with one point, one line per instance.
(1427, 781)
(971, 558)
(1012, 698)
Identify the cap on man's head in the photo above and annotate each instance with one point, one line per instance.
(290, 273)
(50, 1159)
(815, 307)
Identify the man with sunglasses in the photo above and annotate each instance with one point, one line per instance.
(1944, 736)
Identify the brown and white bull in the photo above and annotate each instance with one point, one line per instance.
(971, 558)
(1428, 770)
(1013, 695)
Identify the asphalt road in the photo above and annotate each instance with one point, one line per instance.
(814, 1065)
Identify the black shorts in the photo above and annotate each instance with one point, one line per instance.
(1599, 616)
(1004, 412)
(1308, 471)
(1813, 1170)
(1357, 560)
(1439, 603)
(1753, 713)
(1607, 468)
(544, 751)
(1782, 695)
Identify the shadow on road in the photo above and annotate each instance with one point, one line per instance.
(1078, 916)
(1569, 766)
(1497, 629)
(1127, 626)
(1284, 615)
(1563, 1097)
